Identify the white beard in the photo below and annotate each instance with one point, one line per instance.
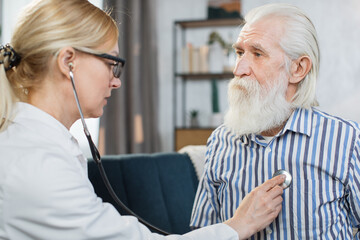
(255, 109)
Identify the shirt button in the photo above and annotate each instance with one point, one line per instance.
(268, 231)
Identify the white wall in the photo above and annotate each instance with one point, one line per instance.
(10, 11)
(1, 13)
(337, 23)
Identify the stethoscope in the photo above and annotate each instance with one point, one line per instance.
(288, 178)
(97, 158)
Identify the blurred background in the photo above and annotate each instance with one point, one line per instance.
(174, 87)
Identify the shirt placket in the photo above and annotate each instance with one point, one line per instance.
(269, 232)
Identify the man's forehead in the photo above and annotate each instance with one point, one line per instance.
(263, 32)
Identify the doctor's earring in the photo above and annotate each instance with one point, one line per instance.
(24, 90)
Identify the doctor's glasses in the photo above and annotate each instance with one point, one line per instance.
(117, 64)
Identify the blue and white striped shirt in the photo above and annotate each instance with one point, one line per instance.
(321, 152)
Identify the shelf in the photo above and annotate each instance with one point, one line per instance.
(199, 76)
(184, 136)
(191, 136)
(195, 128)
(211, 23)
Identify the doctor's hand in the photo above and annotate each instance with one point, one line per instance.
(258, 209)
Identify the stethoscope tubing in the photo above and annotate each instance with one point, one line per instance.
(97, 158)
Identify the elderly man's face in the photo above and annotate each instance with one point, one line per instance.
(259, 55)
(260, 94)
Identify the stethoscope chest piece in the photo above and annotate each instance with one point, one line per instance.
(288, 177)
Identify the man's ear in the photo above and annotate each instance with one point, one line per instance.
(299, 69)
(66, 56)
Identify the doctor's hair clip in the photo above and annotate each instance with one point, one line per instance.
(9, 57)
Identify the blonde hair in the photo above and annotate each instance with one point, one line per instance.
(43, 29)
(300, 39)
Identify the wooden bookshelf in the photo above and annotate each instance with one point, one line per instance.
(211, 23)
(191, 136)
(205, 76)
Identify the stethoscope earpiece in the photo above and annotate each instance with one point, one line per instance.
(71, 66)
(288, 178)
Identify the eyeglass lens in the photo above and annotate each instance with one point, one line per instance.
(117, 66)
(117, 69)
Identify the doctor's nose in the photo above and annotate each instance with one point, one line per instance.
(115, 83)
(242, 67)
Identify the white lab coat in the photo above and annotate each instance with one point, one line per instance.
(45, 192)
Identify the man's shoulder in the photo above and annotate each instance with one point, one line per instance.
(336, 119)
(222, 132)
(221, 137)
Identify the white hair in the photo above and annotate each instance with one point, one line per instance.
(299, 39)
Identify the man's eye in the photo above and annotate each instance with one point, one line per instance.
(239, 53)
(258, 54)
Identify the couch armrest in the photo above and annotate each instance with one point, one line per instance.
(197, 156)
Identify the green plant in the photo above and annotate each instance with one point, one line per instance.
(214, 96)
(215, 37)
(194, 113)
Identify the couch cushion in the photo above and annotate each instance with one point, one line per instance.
(160, 187)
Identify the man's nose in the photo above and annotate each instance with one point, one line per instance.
(242, 67)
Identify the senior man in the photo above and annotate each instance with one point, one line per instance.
(272, 124)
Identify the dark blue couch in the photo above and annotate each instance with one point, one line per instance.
(158, 187)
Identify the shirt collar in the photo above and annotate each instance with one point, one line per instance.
(300, 121)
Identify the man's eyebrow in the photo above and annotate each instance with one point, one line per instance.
(236, 46)
(257, 46)
(253, 46)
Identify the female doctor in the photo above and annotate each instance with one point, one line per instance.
(44, 189)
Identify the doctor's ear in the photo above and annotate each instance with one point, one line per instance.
(66, 60)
